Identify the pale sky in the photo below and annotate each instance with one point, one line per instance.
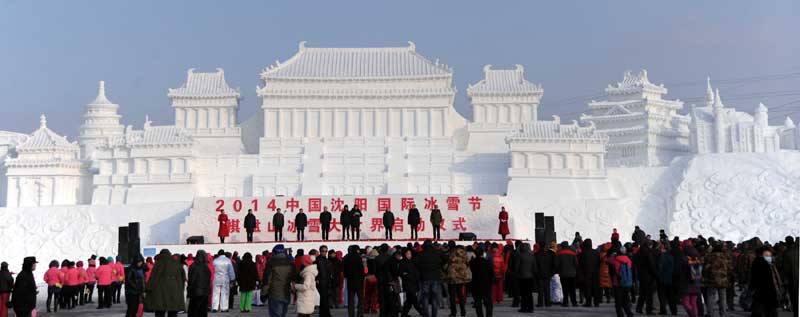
(52, 53)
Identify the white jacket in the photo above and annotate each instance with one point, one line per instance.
(307, 295)
(223, 271)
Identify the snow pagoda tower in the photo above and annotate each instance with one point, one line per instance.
(643, 128)
(501, 103)
(100, 123)
(207, 109)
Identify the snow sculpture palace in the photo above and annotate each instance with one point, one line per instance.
(378, 127)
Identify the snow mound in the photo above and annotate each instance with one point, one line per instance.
(739, 195)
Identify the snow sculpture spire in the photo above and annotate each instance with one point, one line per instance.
(43, 121)
(788, 123)
(101, 95)
(709, 93)
(718, 101)
(761, 117)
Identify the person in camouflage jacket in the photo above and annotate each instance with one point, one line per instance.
(716, 277)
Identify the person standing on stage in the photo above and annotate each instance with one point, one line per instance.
(388, 223)
(325, 221)
(300, 223)
(436, 222)
(250, 224)
(224, 230)
(413, 221)
(277, 224)
(344, 219)
(355, 223)
(503, 230)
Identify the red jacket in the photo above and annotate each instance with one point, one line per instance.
(223, 231)
(617, 262)
(54, 277)
(104, 275)
(499, 264)
(503, 217)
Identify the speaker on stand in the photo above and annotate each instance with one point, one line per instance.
(122, 245)
(134, 242)
(549, 231)
(539, 228)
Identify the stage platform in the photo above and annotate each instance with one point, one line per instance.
(260, 246)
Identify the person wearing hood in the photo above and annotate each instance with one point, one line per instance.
(307, 295)
(134, 285)
(526, 271)
(55, 281)
(765, 282)
(224, 274)
(620, 267)
(278, 274)
(198, 287)
(250, 225)
(247, 278)
(589, 261)
(6, 285)
(458, 275)
(546, 259)
(23, 294)
(164, 290)
(567, 268)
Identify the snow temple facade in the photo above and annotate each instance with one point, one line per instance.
(380, 122)
(717, 129)
(643, 128)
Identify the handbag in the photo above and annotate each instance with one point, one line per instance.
(556, 292)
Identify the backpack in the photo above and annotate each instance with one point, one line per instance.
(695, 270)
(625, 275)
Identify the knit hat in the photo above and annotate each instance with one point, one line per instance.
(305, 260)
(278, 248)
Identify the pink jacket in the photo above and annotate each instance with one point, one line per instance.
(53, 276)
(90, 275)
(119, 269)
(104, 275)
(74, 277)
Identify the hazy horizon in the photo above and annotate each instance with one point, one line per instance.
(55, 52)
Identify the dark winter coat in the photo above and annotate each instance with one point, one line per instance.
(277, 221)
(325, 220)
(567, 263)
(436, 217)
(301, 220)
(323, 272)
(247, 275)
(250, 222)
(355, 217)
(6, 282)
(199, 280)
(526, 266)
(409, 275)
(589, 260)
(789, 266)
(388, 219)
(546, 259)
(716, 270)
(279, 272)
(413, 216)
(353, 270)
(638, 236)
(134, 284)
(665, 268)
(165, 288)
(646, 266)
(430, 263)
(23, 296)
(765, 283)
(482, 276)
(344, 218)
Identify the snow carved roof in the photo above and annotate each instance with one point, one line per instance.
(635, 83)
(504, 82)
(325, 63)
(44, 139)
(205, 85)
(158, 135)
(554, 130)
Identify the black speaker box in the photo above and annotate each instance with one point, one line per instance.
(540, 236)
(133, 231)
(195, 240)
(467, 236)
(539, 219)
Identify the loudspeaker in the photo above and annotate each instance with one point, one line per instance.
(540, 236)
(133, 231)
(467, 236)
(549, 230)
(539, 220)
(195, 240)
(122, 246)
